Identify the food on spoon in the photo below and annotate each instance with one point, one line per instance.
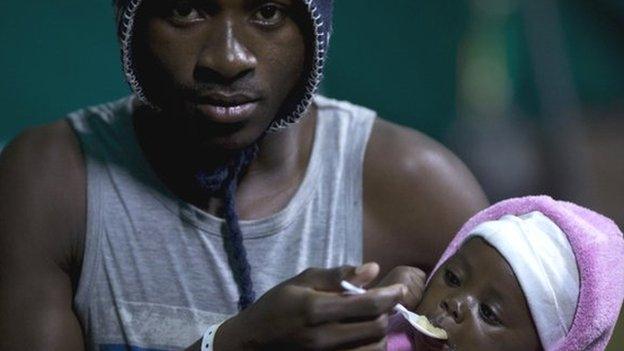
(434, 331)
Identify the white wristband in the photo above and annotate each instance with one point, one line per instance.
(208, 339)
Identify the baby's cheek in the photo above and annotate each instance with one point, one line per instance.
(425, 307)
(485, 338)
(431, 298)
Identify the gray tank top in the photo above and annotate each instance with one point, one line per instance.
(155, 274)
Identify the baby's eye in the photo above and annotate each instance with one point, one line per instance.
(451, 278)
(269, 15)
(185, 12)
(488, 315)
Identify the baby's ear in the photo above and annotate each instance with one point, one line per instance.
(413, 278)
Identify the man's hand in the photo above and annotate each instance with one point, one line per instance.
(411, 277)
(310, 312)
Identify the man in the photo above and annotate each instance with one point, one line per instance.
(120, 225)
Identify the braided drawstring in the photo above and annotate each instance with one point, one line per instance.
(225, 180)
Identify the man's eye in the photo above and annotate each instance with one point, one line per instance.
(269, 15)
(185, 12)
(451, 278)
(488, 315)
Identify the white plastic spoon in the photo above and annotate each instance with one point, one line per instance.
(421, 323)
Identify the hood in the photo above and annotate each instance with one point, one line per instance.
(598, 246)
(320, 12)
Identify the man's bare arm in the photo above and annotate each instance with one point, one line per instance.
(416, 196)
(42, 215)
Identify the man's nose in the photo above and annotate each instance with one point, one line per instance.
(455, 306)
(225, 54)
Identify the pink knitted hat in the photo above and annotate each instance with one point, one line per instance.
(598, 245)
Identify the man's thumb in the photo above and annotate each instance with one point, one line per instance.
(364, 274)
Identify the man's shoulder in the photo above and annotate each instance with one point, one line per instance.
(403, 153)
(417, 193)
(51, 146)
(42, 187)
(44, 163)
(56, 145)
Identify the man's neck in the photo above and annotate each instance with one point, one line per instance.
(287, 148)
(274, 174)
(277, 172)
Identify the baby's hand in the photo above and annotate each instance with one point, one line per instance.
(413, 278)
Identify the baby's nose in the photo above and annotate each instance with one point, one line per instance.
(454, 307)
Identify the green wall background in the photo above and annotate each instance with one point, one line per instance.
(398, 57)
(57, 56)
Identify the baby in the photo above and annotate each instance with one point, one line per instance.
(525, 274)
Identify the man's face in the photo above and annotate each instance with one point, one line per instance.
(476, 298)
(221, 69)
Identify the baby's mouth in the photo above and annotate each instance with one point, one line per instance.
(447, 345)
(436, 321)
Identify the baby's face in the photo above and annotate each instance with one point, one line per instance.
(476, 298)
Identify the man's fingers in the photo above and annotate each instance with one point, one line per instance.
(364, 274)
(329, 279)
(324, 279)
(413, 278)
(342, 335)
(326, 308)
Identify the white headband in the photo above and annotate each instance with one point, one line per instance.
(544, 264)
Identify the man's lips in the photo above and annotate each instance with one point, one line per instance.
(228, 114)
(226, 99)
(224, 108)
